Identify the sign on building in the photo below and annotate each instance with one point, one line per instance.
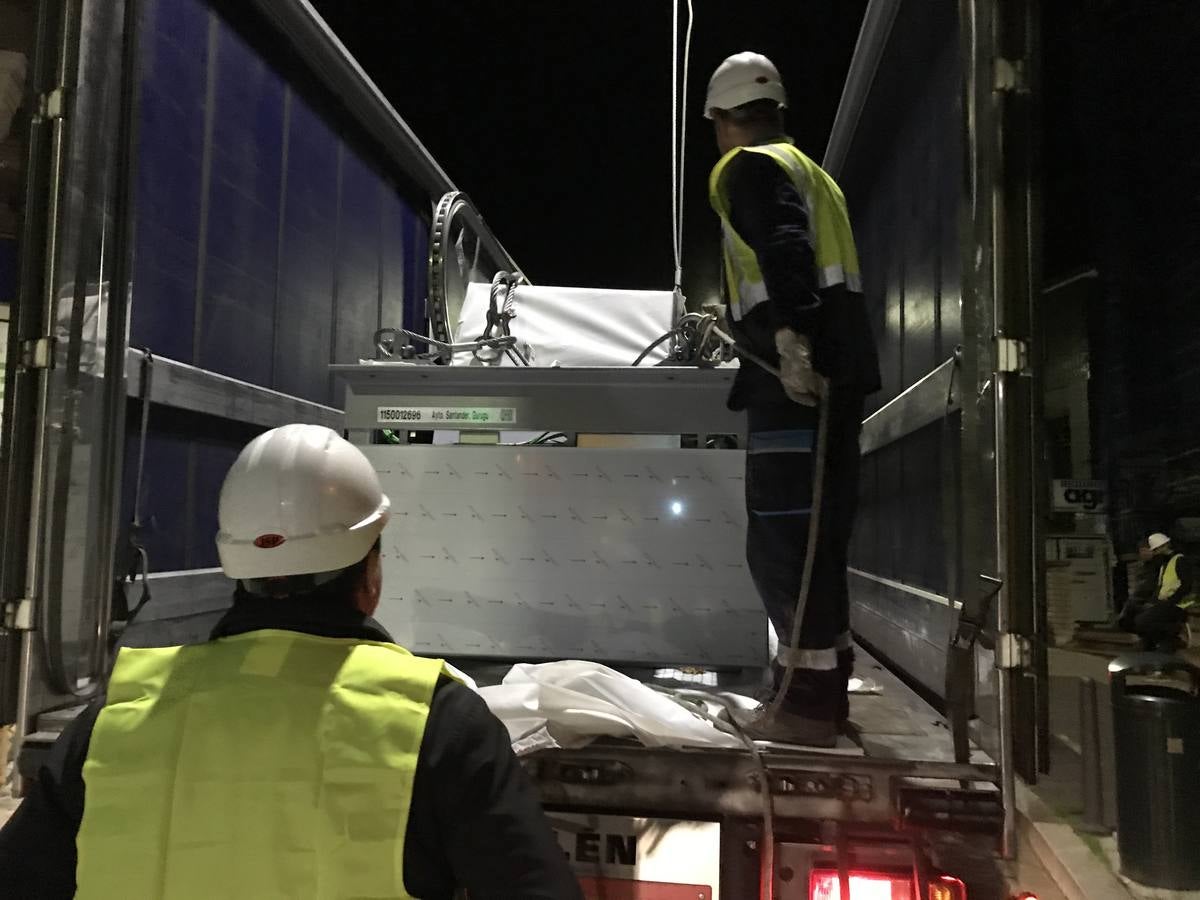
(1080, 496)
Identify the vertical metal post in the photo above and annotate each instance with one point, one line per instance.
(112, 455)
(997, 43)
(24, 684)
(67, 19)
(1089, 744)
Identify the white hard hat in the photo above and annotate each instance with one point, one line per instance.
(742, 78)
(1156, 540)
(299, 500)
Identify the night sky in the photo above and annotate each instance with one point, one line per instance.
(555, 116)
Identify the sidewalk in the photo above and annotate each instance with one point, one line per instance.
(1057, 798)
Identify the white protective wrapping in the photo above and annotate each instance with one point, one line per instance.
(570, 703)
(567, 326)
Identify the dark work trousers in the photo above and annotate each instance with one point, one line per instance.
(780, 466)
(1159, 623)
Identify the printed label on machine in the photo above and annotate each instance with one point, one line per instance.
(448, 416)
(628, 858)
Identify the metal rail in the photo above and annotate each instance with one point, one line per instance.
(618, 400)
(182, 386)
(302, 27)
(929, 400)
(906, 588)
(714, 783)
(872, 39)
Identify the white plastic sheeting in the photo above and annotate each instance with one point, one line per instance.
(570, 326)
(570, 703)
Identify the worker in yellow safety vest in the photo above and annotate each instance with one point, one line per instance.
(298, 753)
(793, 296)
(1168, 591)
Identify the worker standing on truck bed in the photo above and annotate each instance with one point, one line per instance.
(793, 296)
(1166, 590)
(299, 752)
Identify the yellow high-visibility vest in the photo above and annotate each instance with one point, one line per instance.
(267, 765)
(1169, 582)
(828, 223)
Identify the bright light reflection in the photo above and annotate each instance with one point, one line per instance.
(677, 507)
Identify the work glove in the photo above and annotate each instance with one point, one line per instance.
(800, 380)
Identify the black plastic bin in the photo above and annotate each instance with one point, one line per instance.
(1156, 729)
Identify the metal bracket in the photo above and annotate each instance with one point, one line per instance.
(18, 615)
(1013, 651)
(1009, 76)
(53, 103)
(1012, 355)
(38, 353)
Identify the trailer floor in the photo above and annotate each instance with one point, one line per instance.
(891, 721)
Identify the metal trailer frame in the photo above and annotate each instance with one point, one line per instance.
(886, 797)
(996, 92)
(998, 436)
(175, 385)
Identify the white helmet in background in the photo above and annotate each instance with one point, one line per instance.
(1157, 541)
(743, 78)
(299, 500)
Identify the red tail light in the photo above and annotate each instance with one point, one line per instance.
(824, 884)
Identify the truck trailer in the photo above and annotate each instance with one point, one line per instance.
(226, 226)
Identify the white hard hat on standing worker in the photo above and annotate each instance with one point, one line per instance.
(299, 500)
(1157, 541)
(744, 78)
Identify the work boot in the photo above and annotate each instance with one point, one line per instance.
(839, 684)
(789, 728)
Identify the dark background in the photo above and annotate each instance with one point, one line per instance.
(555, 117)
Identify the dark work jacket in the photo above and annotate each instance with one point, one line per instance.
(475, 820)
(769, 214)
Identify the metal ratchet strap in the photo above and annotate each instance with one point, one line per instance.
(976, 605)
(960, 684)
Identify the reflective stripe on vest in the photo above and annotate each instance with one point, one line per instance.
(828, 226)
(1169, 582)
(268, 765)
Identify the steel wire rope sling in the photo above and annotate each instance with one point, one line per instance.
(499, 314)
(679, 140)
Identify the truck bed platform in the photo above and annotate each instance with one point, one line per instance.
(899, 770)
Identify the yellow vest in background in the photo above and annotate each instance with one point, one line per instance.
(828, 225)
(267, 765)
(1169, 582)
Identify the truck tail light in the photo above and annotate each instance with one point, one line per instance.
(824, 884)
(946, 887)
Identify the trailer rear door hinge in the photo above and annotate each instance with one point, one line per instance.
(1013, 651)
(1009, 76)
(18, 615)
(1012, 355)
(38, 353)
(53, 103)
